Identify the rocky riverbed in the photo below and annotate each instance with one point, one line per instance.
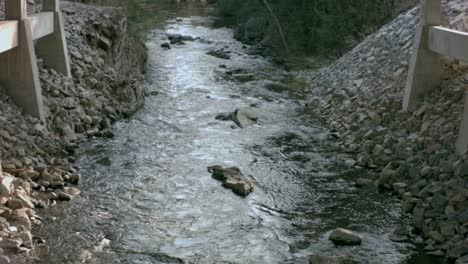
(147, 197)
(36, 165)
(410, 153)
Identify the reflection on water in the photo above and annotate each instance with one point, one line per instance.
(147, 191)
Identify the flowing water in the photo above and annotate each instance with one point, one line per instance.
(147, 196)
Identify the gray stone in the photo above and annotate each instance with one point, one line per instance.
(15, 204)
(68, 103)
(439, 201)
(341, 236)
(239, 187)
(233, 179)
(26, 237)
(463, 217)
(462, 260)
(375, 117)
(4, 259)
(447, 229)
(246, 117)
(6, 184)
(26, 201)
(10, 244)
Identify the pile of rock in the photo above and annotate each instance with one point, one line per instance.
(107, 67)
(23, 190)
(412, 153)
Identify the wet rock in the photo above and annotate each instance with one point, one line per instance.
(165, 46)
(222, 54)
(362, 182)
(276, 87)
(341, 236)
(75, 178)
(243, 117)
(64, 196)
(244, 77)
(240, 187)
(225, 116)
(399, 234)
(323, 259)
(233, 179)
(176, 39)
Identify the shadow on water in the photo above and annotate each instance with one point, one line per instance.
(147, 197)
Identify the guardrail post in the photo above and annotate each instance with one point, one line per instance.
(18, 70)
(53, 48)
(426, 66)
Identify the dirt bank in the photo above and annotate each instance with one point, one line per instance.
(107, 67)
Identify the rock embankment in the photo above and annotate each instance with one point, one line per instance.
(107, 67)
(412, 153)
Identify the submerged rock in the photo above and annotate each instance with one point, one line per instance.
(177, 39)
(165, 46)
(319, 258)
(222, 54)
(341, 236)
(233, 179)
(400, 234)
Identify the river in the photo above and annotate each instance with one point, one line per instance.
(147, 196)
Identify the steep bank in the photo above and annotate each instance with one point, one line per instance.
(107, 67)
(412, 153)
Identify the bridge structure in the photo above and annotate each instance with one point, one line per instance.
(432, 43)
(22, 39)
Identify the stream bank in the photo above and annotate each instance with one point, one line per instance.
(36, 164)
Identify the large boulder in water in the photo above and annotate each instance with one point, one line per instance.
(243, 117)
(246, 116)
(233, 179)
(341, 236)
(177, 39)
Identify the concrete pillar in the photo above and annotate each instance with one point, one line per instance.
(53, 48)
(462, 141)
(426, 66)
(18, 70)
